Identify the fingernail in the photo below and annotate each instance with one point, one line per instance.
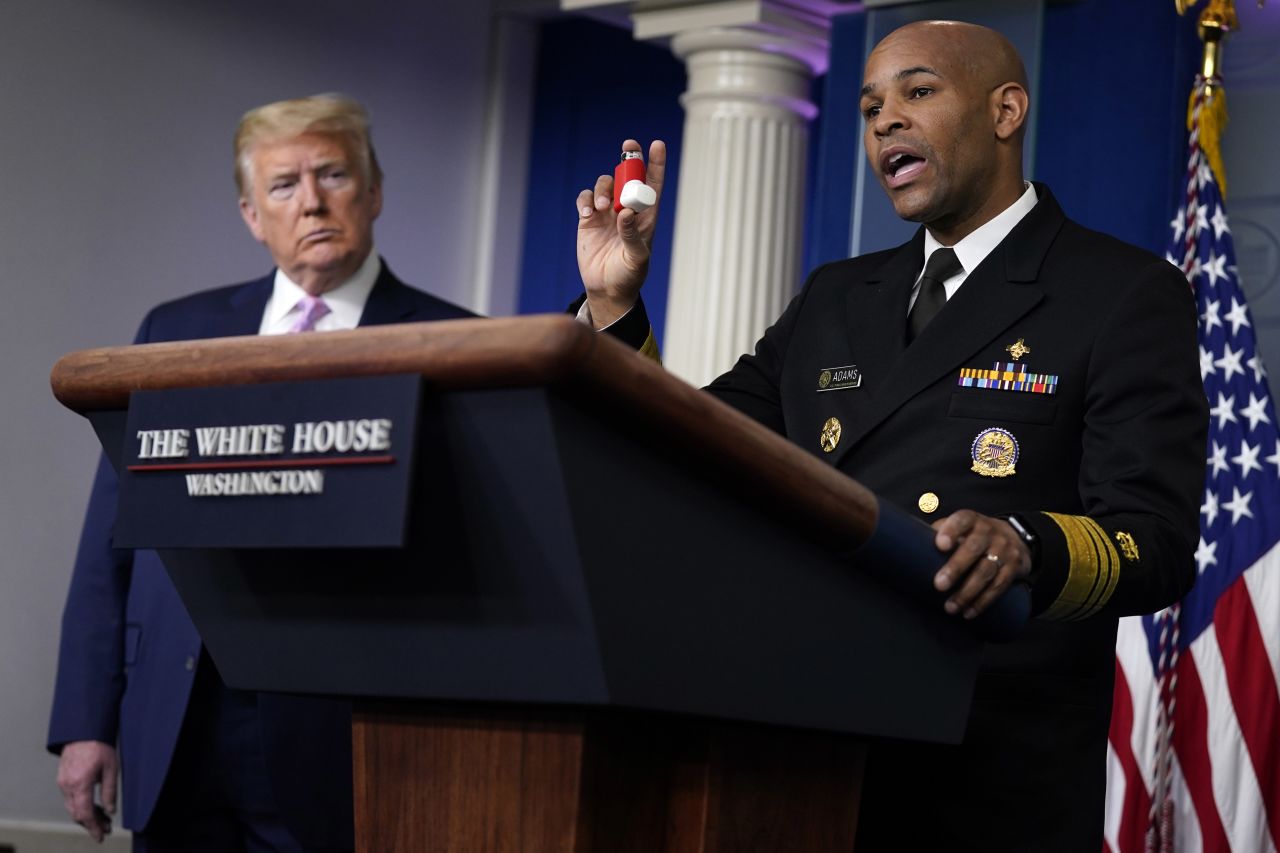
(970, 613)
(941, 581)
(951, 607)
(586, 211)
(602, 202)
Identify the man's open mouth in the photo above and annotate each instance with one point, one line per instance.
(901, 166)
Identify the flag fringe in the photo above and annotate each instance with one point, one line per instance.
(1212, 123)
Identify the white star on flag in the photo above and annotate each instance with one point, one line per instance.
(1238, 316)
(1205, 554)
(1210, 315)
(1219, 223)
(1216, 268)
(1247, 459)
(1238, 505)
(1225, 410)
(1209, 508)
(1256, 411)
(1217, 460)
(1230, 362)
(1259, 372)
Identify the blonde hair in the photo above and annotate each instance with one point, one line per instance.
(329, 113)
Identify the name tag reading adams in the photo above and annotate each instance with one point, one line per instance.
(839, 378)
(324, 464)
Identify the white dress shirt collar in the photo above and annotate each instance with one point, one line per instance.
(346, 301)
(974, 248)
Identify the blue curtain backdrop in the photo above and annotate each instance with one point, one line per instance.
(838, 154)
(1112, 137)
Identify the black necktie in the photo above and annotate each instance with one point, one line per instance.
(942, 264)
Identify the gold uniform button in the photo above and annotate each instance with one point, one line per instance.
(830, 435)
(928, 502)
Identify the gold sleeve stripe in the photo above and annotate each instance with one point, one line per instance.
(650, 348)
(1093, 572)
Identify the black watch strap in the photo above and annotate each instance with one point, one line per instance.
(1028, 536)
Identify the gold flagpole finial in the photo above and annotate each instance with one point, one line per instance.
(1216, 21)
(1183, 5)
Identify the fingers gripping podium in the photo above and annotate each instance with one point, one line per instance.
(608, 612)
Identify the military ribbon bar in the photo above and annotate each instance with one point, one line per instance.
(1009, 376)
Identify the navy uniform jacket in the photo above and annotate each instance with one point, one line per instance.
(1108, 472)
(124, 673)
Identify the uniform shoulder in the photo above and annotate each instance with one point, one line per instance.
(1097, 248)
(846, 269)
(861, 263)
(1093, 262)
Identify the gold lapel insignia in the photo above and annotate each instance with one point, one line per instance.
(830, 436)
(994, 452)
(1128, 546)
(928, 502)
(1018, 349)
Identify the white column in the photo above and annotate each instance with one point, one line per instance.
(740, 200)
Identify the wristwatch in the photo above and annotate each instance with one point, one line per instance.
(1027, 535)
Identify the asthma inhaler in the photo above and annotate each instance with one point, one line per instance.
(630, 169)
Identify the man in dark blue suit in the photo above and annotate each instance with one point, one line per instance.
(205, 767)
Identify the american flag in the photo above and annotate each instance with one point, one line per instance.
(1194, 748)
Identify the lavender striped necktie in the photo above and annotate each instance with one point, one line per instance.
(312, 309)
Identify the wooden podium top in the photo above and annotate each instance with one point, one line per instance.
(517, 352)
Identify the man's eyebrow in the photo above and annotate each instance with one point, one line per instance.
(904, 74)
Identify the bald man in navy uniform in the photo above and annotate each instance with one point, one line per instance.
(1029, 387)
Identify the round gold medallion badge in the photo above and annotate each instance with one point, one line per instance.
(994, 452)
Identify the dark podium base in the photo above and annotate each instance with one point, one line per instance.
(442, 779)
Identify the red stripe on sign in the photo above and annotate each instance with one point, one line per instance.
(1191, 742)
(266, 463)
(1253, 690)
(1131, 836)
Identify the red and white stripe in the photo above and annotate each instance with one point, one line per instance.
(1226, 773)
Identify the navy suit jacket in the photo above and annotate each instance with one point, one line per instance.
(126, 662)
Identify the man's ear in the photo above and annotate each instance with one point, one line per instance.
(1009, 104)
(249, 214)
(376, 200)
